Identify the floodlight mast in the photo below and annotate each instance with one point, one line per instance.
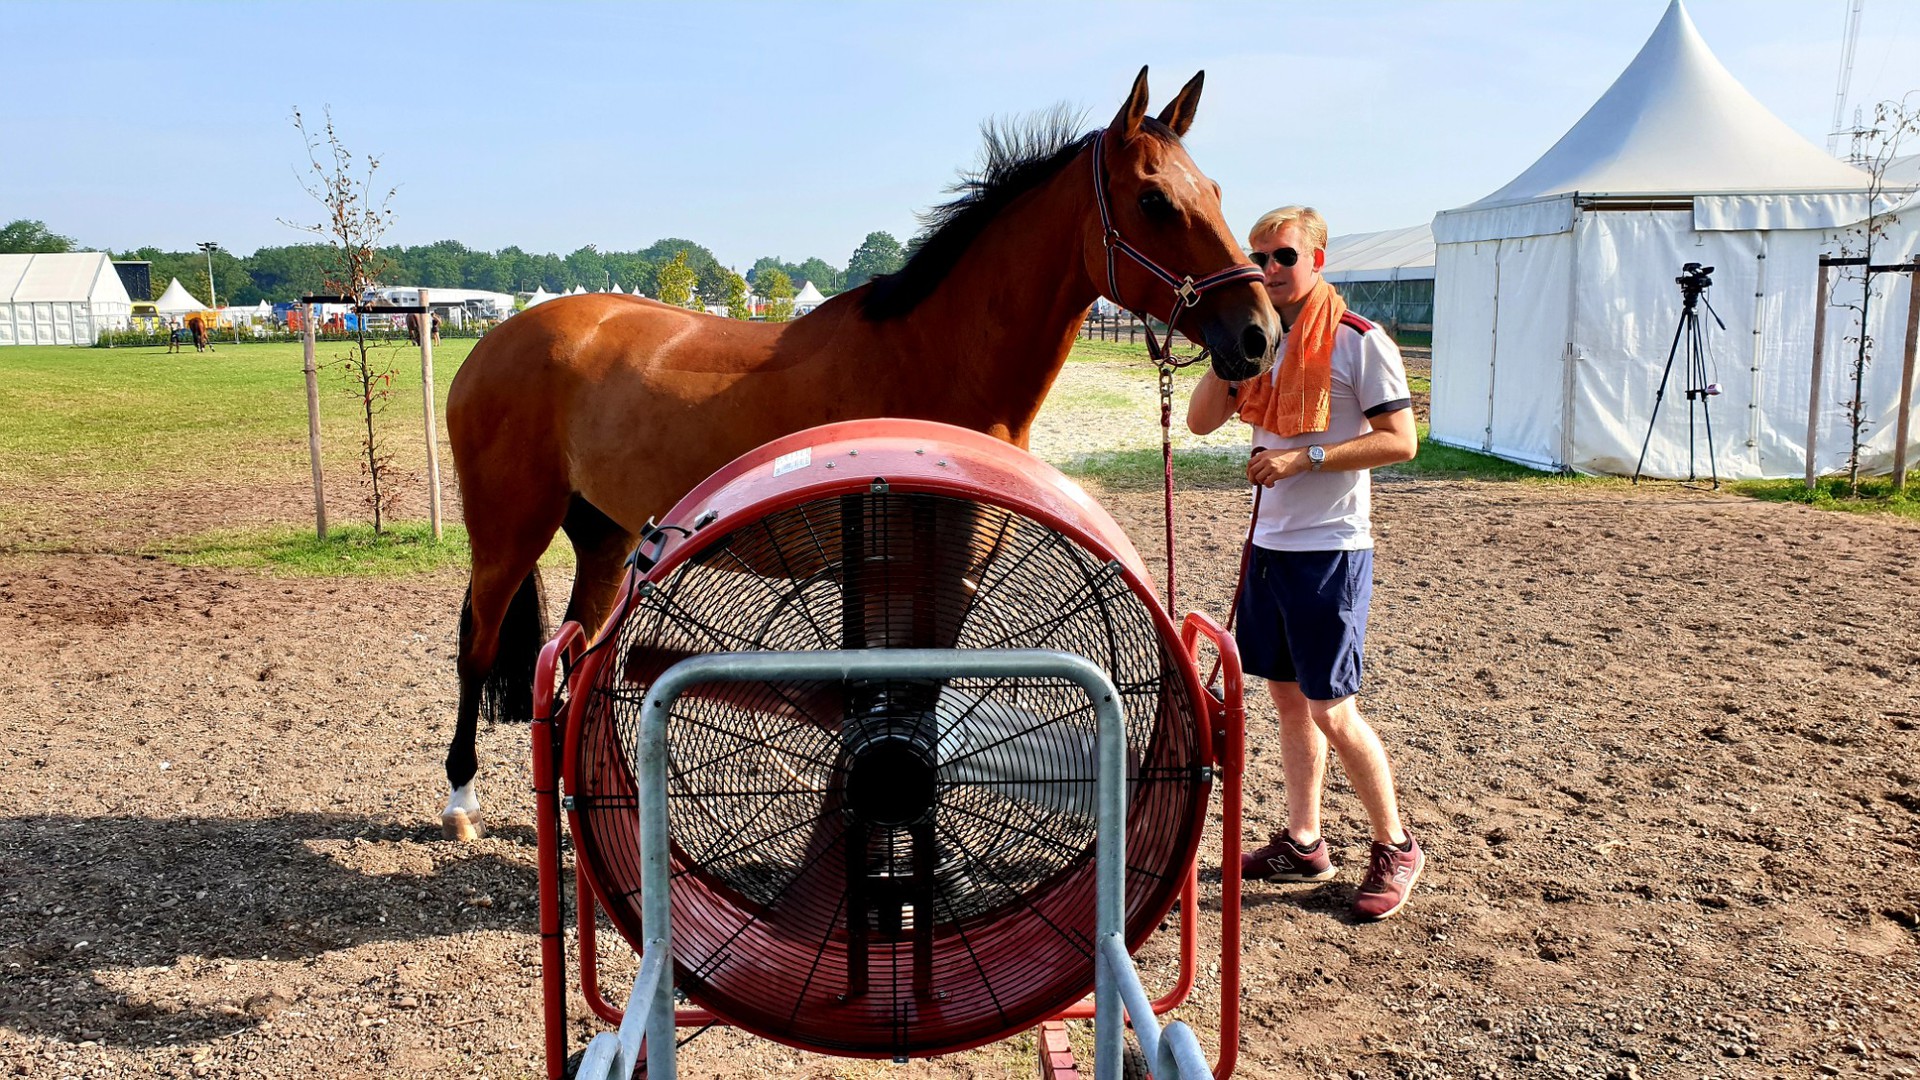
(210, 247)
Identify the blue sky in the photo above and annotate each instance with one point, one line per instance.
(795, 129)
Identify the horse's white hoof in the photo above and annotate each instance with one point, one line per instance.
(462, 826)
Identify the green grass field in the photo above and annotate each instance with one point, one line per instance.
(100, 421)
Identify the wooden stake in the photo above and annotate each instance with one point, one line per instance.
(433, 429)
(1906, 379)
(1813, 386)
(313, 423)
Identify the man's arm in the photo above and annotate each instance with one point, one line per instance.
(1211, 405)
(1392, 439)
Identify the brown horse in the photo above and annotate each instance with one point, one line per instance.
(592, 413)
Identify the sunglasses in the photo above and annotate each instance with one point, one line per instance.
(1283, 256)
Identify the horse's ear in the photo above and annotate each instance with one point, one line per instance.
(1178, 114)
(1126, 123)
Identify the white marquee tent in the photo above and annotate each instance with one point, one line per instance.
(63, 299)
(540, 296)
(177, 300)
(1385, 276)
(1555, 301)
(807, 299)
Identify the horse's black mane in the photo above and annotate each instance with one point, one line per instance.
(1018, 157)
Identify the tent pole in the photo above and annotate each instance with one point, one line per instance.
(1813, 383)
(1906, 378)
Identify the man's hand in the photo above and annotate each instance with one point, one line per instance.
(1268, 467)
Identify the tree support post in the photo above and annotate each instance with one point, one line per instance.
(313, 422)
(426, 393)
(1906, 378)
(1813, 382)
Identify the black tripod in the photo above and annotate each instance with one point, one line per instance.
(1694, 280)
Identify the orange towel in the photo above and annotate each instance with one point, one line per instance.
(1300, 397)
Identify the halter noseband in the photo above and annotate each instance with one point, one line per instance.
(1186, 290)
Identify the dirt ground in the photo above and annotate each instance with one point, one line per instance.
(1660, 745)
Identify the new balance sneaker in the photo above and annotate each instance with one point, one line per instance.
(1284, 860)
(1391, 873)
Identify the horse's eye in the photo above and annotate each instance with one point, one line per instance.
(1154, 203)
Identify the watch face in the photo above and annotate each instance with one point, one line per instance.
(1316, 454)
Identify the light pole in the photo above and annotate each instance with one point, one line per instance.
(210, 247)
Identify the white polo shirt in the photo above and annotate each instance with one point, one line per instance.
(1332, 511)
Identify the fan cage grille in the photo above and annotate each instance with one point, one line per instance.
(958, 813)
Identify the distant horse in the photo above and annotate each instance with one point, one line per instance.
(591, 413)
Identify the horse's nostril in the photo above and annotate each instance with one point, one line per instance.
(1253, 344)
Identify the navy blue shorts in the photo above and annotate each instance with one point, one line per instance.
(1303, 619)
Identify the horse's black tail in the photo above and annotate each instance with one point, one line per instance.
(507, 692)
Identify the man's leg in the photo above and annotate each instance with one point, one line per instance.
(1365, 763)
(1303, 760)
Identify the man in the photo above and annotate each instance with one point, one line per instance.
(1334, 407)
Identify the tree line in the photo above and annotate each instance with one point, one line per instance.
(290, 271)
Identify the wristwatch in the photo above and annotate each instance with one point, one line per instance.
(1317, 455)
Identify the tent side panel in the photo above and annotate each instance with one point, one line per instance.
(1464, 297)
(1629, 310)
(1531, 334)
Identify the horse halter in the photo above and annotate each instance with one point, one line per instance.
(1186, 290)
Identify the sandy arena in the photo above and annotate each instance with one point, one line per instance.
(1661, 747)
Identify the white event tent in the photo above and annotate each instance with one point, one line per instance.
(1385, 276)
(807, 299)
(60, 299)
(177, 300)
(1555, 299)
(540, 296)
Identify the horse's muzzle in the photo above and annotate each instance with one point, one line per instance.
(1242, 348)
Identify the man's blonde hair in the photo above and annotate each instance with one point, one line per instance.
(1312, 225)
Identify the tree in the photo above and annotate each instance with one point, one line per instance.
(677, 280)
(826, 277)
(356, 220)
(878, 254)
(738, 307)
(1894, 122)
(587, 267)
(777, 287)
(26, 237)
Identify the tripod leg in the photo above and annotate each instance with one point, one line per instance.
(1706, 414)
(1660, 393)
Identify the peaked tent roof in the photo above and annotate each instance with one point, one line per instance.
(57, 277)
(1677, 122)
(540, 296)
(1396, 254)
(808, 295)
(177, 300)
(1903, 172)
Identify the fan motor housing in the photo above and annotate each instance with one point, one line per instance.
(900, 868)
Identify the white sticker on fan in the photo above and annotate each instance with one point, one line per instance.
(786, 463)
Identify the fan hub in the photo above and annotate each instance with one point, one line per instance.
(892, 781)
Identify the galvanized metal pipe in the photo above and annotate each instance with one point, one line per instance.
(1110, 845)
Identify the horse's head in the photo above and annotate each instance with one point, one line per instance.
(1162, 207)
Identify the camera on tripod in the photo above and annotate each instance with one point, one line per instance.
(1694, 279)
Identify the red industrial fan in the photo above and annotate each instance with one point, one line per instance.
(901, 864)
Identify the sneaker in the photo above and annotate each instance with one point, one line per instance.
(1391, 874)
(1284, 860)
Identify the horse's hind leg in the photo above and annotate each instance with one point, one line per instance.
(502, 626)
(600, 549)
